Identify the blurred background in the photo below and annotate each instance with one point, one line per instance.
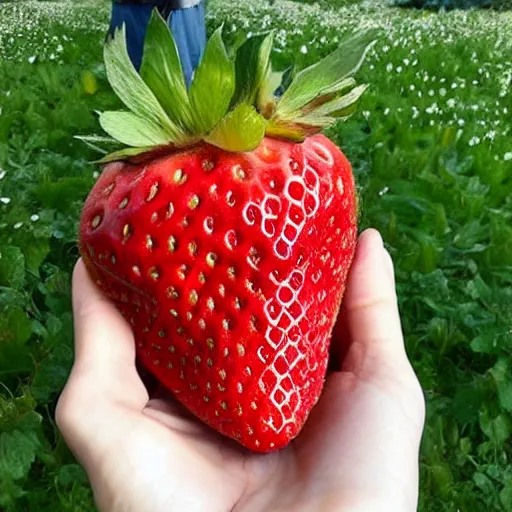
(432, 152)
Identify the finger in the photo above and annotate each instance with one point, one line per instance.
(104, 384)
(370, 303)
(104, 345)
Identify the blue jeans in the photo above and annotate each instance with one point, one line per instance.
(187, 26)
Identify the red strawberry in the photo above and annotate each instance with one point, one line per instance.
(228, 256)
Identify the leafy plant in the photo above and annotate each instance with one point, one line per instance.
(432, 157)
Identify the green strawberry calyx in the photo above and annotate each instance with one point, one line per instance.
(231, 102)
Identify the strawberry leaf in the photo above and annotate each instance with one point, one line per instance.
(339, 107)
(213, 85)
(241, 130)
(133, 130)
(134, 154)
(324, 76)
(98, 142)
(161, 71)
(131, 89)
(252, 66)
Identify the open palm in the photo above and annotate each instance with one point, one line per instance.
(357, 452)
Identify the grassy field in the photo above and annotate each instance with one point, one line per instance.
(432, 153)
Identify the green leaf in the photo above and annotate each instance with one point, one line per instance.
(442, 477)
(15, 330)
(483, 483)
(132, 130)
(161, 71)
(484, 344)
(252, 67)
(341, 107)
(135, 154)
(506, 495)
(35, 254)
(98, 142)
(17, 453)
(131, 89)
(505, 395)
(213, 85)
(294, 130)
(12, 267)
(15, 326)
(497, 429)
(9, 492)
(468, 400)
(327, 74)
(52, 373)
(71, 474)
(241, 130)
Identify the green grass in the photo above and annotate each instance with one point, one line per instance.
(432, 154)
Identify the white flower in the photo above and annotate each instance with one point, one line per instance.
(432, 109)
(5, 200)
(95, 174)
(507, 156)
(399, 69)
(2, 174)
(451, 103)
(32, 59)
(474, 141)
(442, 91)
(18, 225)
(387, 111)
(431, 92)
(461, 122)
(389, 67)
(34, 218)
(303, 49)
(60, 48)
(412, 87)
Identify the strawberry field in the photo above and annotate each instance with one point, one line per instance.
(432, 152)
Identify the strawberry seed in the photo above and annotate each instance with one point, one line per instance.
(153, 191)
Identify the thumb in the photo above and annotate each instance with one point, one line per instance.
(104, 377)
(370, 310)
(104, 345)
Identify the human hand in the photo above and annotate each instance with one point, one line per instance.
(357, 453)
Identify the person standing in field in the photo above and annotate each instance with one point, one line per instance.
(186, 19)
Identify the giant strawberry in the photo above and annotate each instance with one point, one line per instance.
(225, 229)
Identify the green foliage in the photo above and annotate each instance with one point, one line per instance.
(447, 4)
(431, 152)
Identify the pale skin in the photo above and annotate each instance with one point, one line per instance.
(357, 453)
